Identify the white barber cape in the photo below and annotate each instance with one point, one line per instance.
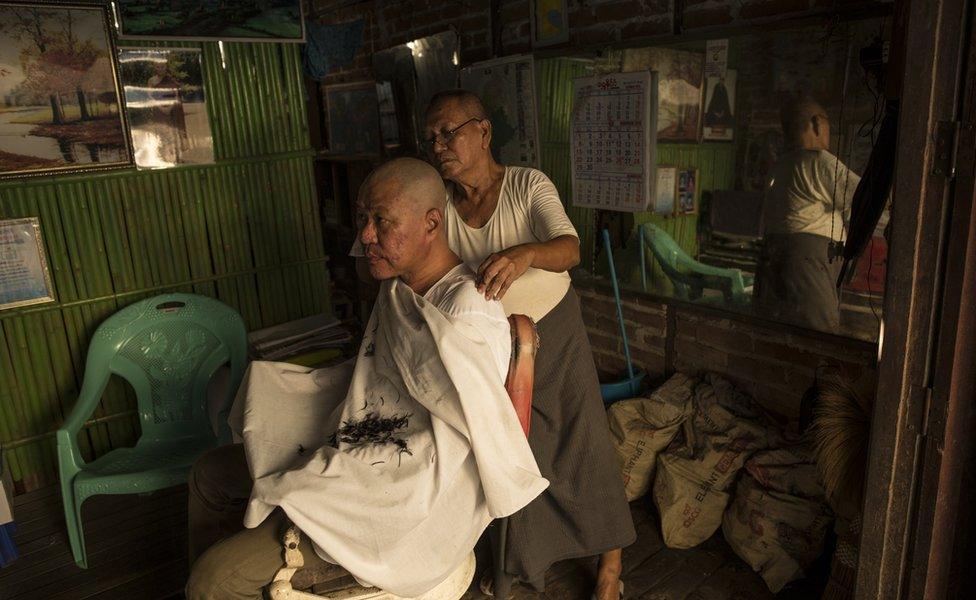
(400, 515)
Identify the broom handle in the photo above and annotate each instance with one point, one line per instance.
(616, 297)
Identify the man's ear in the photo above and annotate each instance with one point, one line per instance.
(486, 133)
(817, 123)
(433, 220)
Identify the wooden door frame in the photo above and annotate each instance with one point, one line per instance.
(907, 429)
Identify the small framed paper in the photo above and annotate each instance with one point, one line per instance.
(354, 119)
(666, 191)
(389, 127)
(550, 22)
(24, 275)
(687, 201)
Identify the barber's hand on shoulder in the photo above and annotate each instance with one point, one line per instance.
(497, 273)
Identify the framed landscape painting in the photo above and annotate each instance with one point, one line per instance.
(230, 20)
(60, 100)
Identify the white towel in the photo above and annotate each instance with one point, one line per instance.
(401, 519)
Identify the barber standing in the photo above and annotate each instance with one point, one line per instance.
(508, 224)
(806, 209)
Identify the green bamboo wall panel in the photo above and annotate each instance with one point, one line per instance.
(715, 163)
(245, 230)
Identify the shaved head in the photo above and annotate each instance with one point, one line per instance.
(400, 211)
(468, 101)
(411, 180)
(797, 114)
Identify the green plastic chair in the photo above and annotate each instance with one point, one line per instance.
(167, 347)
(690, 277)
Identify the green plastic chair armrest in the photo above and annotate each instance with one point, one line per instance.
(67, 435)
(727, 279)
(91, 393)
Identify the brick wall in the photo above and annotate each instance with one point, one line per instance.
(774, 363)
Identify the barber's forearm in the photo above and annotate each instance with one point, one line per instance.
(557, 255)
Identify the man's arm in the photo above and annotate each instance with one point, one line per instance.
(497, 273)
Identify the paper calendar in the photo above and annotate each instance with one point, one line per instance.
(613, 136)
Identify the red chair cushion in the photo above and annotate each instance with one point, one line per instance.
(521, 367)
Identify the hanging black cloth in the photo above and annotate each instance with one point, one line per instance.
(330, 46)
(872, 192)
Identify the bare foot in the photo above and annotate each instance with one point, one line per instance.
(608, 590)
(608, 585)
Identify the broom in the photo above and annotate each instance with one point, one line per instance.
(839, 430)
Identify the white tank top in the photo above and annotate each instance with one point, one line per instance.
(529, 210)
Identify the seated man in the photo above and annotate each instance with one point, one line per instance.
(396, 472)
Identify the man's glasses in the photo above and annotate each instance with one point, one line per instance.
(445, 137)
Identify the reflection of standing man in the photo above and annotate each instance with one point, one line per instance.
(807, 205)
(169, 109)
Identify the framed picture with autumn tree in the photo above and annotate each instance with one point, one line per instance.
(60, 99)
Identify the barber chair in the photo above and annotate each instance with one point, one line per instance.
(334, 582)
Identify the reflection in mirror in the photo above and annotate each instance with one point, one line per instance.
(758, 164)
(394, 74)
(407, 76)
(435, 59)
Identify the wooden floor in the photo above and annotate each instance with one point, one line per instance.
(137, 550)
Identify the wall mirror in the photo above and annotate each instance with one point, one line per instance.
(407, 76)
(745, 217)
(748, 216)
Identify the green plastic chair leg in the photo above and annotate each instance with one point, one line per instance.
(76, 532)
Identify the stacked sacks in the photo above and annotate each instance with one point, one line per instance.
(696, 472)
(778, 520)
(641, 428)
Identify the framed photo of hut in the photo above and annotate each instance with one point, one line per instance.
(60, 98)
(354, 119)
(233, 20)
(680, 83)
(687, 195)
(167, 106)
(718, 122)
(25, 278)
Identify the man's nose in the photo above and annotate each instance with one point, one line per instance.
(367, 235)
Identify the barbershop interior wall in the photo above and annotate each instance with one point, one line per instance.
(809, 62)
(824, 63)
(713, 160)
(591, 22)
(245, 230)
(775, 363)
